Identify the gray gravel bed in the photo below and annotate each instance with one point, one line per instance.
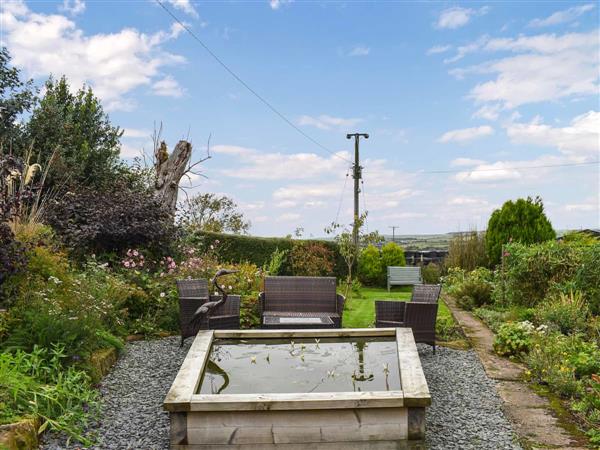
(465, 413)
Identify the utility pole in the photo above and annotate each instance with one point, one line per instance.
(357, 175)
(393, 227)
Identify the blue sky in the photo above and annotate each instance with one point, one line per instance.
(476, 90)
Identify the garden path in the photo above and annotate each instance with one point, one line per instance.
(531, 414)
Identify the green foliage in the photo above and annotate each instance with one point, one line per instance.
(521, 221)
(493, 318)
(470, 289)
(235, 248)
(467, 251)
(513, 338)
(370, 268)
(93, 221)
(210, 212)
(568, 313)
(276, 263)
(77, 126)
(16, 97)
(392, 255)
(356, 288)
(42, 384)
(431, 273)
(446, 329)
(311, 259)
(532, 272)
(588, 408)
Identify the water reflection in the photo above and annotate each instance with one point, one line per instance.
(301, 365)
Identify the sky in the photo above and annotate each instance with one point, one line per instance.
(467, 104)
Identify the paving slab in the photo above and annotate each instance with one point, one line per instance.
(531, 414)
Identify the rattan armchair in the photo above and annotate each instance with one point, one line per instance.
(426, 293)
(420, 317)
(192, 295)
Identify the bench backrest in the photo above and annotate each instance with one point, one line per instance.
(300, 294)
(192, 288)
(404, 275)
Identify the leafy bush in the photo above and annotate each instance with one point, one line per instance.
(588, 408)
(370, 267)
(431, 273)
(521, 221)
(513, 338)
(110, 222)
(470, 289)
(312, 259)
(566, 312)
(392, 255)
(493, 318)
(561, 361)
(467, 251)
(587, 277)
(57, 305)
(446, 329)
(235, 248)
(276, 263)
(12, 254)
(532, 272)
(38, 384)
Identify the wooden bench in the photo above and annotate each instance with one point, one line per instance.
(403, 276)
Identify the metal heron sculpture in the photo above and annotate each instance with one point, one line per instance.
(205, 308)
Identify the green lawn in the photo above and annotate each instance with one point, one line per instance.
(360, 312)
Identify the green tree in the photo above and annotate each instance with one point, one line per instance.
(521, 221)
(210, 212)
(76, 127)
(16, 97)
(369, 266)
(392, 255)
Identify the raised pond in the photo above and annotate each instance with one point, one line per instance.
(322, 388)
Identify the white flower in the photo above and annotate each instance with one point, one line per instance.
(229, 287)
(162, 294)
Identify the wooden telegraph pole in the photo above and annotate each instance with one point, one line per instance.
(357, 175)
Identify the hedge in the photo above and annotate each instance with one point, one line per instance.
(236, 248)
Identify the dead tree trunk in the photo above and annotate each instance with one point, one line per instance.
(169, 171)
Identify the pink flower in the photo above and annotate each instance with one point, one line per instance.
(129, 253)
(126, 263)
(135, 253)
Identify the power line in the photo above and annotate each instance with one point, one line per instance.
(337, 216)
(243, 83)
(544, 166)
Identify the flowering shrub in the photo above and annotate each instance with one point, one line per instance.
(568, 313)
(514, 338)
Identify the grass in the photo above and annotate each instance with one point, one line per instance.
(360, 312)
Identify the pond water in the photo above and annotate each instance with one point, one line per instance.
(256, 366)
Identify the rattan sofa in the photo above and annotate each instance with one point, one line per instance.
(301, 297)
(194, 293)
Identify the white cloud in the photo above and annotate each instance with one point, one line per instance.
(466, 134)
(113, 64)
(438, 49)
(498, 171)
(286, 204)
(325, 122)
(582, 207)
(564, 16)
(548, 68)
(300, 192)
(457, 16)
(73, 7)
(580, 140)
(259, 165)
(288, 217)
(185, 6)
(468, 201)
(459, 162)
(488, 112)
(136, 133)
(167, 87)
(276, 4)
(360, 50)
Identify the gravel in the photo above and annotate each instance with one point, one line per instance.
(465, 413)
